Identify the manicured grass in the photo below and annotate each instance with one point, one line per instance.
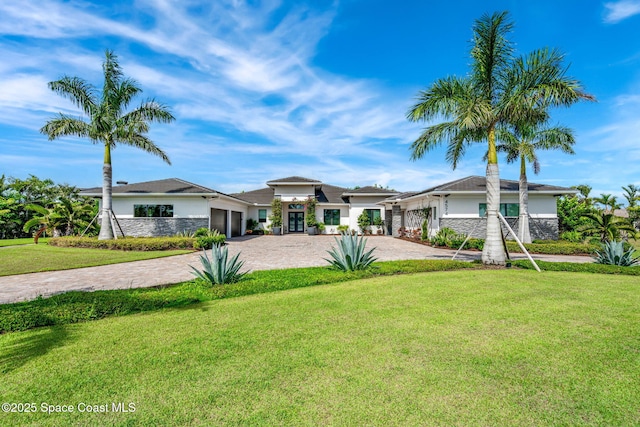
(480, 347)
(42, 257)
(72, 307)
(25, 241)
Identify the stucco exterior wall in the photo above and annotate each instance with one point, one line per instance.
(183, 207)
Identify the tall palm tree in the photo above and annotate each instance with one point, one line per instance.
(108, 122)
(632, 194)
(498, 90)
(521, 142)
(609, 202)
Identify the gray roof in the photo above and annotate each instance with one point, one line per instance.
(325, 194)
(293, 179)
(161, 186)
(330, 194)
(263, 196)
(369, 189)
(478, 184)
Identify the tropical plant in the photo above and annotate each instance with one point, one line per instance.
(45, 219)
(632, 194)
(342, 229)
(521, 141)
(206, 239)
(499, 90)
(220, 269)
(606, 226)
(444, 236)
(379, 223)
(573, 236)
(608, 201)
(613, 253)
(276, 213)
(351, 254)
(108, 122)
(252, 224)
(584, 192)
(74, 215)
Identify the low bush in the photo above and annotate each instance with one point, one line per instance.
(209, 239)
(126, 243)
(72, 307)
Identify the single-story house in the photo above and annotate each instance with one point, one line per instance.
(461, 206)
(170, 206)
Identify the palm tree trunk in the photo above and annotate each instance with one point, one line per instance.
(523, 223)
(106, 231)
(493, 252)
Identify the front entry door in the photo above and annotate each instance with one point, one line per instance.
(296, 222)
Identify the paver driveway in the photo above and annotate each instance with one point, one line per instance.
(258, 252)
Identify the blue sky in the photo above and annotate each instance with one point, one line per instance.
(268, 89)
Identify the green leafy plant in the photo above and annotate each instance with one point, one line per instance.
(444, 236)
(276, 213)
(350, 254)
(613, 253)
(364, 222)
(321, 227)
(572, 236)
(220, 269)
(310, 217)
(209, 239)
(252, 224)
(342, 229)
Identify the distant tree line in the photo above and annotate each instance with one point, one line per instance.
(33, 205)
(582, 217)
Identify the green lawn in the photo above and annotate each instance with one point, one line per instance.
(24, 241)
(475, 347)
(42, 257)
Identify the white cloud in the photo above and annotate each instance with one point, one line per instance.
(618, 11)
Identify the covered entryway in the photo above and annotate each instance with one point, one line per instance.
(236, 224)
(296, 222)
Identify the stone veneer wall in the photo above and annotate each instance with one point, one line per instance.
(396, 220)
(540, 228)
(147, 227)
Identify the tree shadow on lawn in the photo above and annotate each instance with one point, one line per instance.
(21, 347)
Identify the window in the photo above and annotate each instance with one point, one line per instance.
(373, 214)
(332, 216)
(155, 211)
(296, 207)
(262, 215)
(506, 209)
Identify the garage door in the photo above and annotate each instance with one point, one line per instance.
(236, 224)
(219, 220)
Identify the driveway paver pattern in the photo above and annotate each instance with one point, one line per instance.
(258, 252)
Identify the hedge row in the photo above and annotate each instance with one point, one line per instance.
(579, 267)
(73, 307)
(126, 243)
(555, 248)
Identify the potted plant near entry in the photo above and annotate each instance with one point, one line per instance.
(252, 224)
(276, 217)
(311, 215)
(379, 223)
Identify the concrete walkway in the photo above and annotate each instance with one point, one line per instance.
(258, 252)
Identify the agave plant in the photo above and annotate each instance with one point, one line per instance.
(220, 269)
(613, 253)
(350, 254)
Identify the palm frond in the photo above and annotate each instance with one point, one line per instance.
(65, 125)
(141, 142)
(78, 91)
